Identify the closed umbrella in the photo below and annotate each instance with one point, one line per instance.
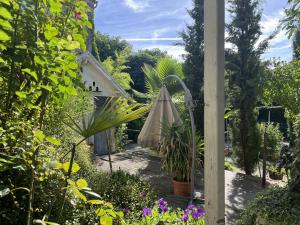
(163, 111)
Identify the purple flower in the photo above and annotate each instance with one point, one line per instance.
(191, 206)
(195, 215)
(125, 211)
(201, 211)
(162, 206)
(147, 212)
(161, 202)
(185, 218)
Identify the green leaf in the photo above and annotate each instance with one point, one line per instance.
(78, 194)
(75, 167)
(6, 2)
(31, 73)
(5, 24)
(55, 165)
(50, 32)
(81, 183)
(96, 202)
(4, 192)
(4, 13)
(46, 87)
(4, 36)
(100, 212)
(21, 94)
(106, 220)
(51, 223)
(53, 140)
(39, 135)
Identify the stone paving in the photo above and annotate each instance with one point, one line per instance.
(239, 188)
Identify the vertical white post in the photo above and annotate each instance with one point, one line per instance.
(214, 111)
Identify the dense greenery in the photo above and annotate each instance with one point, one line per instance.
(245, 74)
(271, 138)
(275, 206)
(135, 64)
(193, 39)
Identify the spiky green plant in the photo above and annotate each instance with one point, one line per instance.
(156, 76)
(115, 112)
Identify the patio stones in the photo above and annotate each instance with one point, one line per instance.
(239, 188)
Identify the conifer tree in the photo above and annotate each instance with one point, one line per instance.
(193, 38)
(244, 69)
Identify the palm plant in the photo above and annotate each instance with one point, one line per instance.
(115, 112)
(156, 77)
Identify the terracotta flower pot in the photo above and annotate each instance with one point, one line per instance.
(182, 188)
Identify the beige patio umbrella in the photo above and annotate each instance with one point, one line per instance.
(163, 110)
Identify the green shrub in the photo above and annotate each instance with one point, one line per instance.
(121, 137)
(229, 166)
(276, 205)
(126, 192)
(271, 137)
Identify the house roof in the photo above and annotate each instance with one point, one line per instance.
(88, 58)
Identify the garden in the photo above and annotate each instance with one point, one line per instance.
(93, 131)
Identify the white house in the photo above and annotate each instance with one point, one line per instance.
(101, 86)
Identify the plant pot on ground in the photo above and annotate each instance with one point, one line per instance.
(275, 173)
(176, 149)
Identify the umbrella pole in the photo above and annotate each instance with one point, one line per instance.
(189, 103)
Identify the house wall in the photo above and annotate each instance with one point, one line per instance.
(96, 82)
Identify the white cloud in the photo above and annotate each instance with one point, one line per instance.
(137, 5)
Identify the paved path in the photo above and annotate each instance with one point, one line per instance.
(146, 163)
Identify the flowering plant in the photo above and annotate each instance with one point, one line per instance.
(162, 214)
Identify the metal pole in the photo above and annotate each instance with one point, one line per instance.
(190, 105)
(214, 111)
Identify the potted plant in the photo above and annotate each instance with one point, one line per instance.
(175, 150)
(275, 173)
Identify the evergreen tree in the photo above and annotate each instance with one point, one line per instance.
(296, 44)
(245, 76)
(193, 38)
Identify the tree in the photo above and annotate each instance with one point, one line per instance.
(136, 62)
(245, 73)
(193, 39)
(296, 44)
(156, 77)
(117, 68)
(107, 46)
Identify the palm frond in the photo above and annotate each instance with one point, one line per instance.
(115, 112)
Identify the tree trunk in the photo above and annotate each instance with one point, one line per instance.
(263, 181)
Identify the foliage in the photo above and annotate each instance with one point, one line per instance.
(116, 111)
(127, 192)
(176, 150)
(193, 39)
(156, 76)
(292, 20)
(229, 166)
(296, 45)
(295, 171)
(121, 137)
(282, 86)
(245, 71)
(108, 46)
(271, 139)
(162, 214)
(276, 206)
(116, 68)
(135, 63)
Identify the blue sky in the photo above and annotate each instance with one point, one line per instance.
(156, 24)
